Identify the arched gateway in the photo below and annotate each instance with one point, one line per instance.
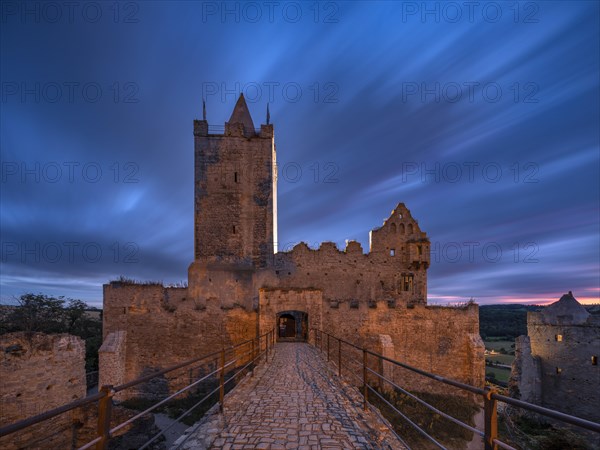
(292, 326)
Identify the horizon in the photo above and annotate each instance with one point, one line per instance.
(430, 302)
(486, 129)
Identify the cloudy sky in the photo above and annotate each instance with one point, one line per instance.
(482, 119)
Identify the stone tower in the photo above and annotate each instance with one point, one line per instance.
(556, 364)
(235, 193)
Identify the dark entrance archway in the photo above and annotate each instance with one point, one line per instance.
(292, 326)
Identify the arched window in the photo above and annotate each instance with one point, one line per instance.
(410, 228)
(401, 228)
(393, 228)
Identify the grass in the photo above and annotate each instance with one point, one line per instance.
(443, 430)
(499, 373)
(125, 281)
(500, 358)
(528, 433)
(177, 406)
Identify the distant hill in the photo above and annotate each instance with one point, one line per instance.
(510, 321)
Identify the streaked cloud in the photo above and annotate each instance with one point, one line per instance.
(358, 121)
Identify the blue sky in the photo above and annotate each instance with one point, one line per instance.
(483, 121)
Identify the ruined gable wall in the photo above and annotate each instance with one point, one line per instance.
(350, 274)
(399, 248)
(40, 372)
(575, 390)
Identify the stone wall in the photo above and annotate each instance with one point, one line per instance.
(441, 340)
(526, 376)
(164, 327)
(570, 382)
(395, 270)
(113, 360)
(274, 301)
(40, 372)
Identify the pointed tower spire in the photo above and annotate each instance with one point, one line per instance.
(203, 109)
(241, 114)
(268, 115)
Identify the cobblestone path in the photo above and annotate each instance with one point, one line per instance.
(294, 401)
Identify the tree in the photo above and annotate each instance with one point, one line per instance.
(46, 314)
(38, 313)
(74, 316)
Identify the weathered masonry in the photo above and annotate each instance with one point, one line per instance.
(40, 372)
(239, 285)
(556, 364)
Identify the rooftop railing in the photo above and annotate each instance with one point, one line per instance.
(326, 342)
(239, 358)
(220, 129)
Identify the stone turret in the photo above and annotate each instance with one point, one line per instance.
(556, 364)
(567, 310)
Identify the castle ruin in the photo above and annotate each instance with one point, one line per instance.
(240, 286)
(556, 364)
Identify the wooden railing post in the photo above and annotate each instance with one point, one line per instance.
(490, 407)
(222, 380)
(104, 415)
(339, 357)
(327, 346)
(365, 385)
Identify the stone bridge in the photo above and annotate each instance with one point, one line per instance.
(295, 401)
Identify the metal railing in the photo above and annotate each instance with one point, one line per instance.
(220, 129)
(490, 397)
(246, 354)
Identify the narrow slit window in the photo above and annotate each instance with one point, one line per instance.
(392, 252)
(594, 360)
(407, 283)
(233, 229)
(559, 338)
(235, 177)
